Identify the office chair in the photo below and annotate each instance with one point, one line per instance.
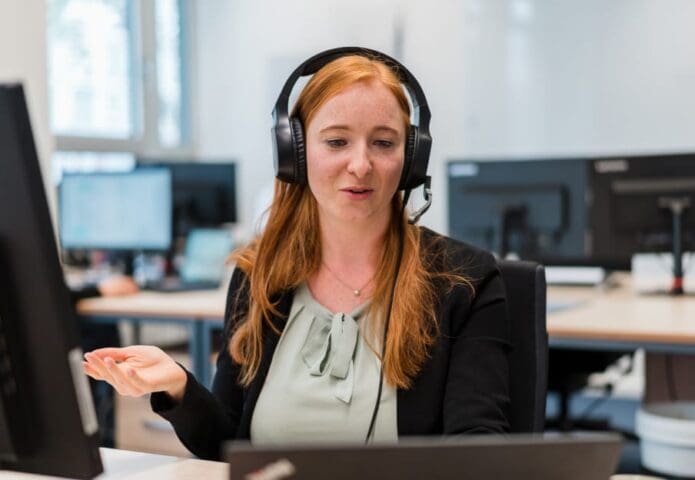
(528, 361)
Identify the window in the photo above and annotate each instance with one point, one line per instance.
(90, 74)
(116, 82)
(169, 72)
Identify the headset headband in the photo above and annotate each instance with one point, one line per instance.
(314, 64)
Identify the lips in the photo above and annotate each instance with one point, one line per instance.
(357, 190)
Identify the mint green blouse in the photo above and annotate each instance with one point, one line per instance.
(323, 380)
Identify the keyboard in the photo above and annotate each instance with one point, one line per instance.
(170, 285)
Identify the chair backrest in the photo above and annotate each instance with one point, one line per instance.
(528, 361)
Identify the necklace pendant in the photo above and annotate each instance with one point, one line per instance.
(357, 293)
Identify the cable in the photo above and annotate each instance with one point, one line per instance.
(372, 423)
(427, 192)
(607, 390)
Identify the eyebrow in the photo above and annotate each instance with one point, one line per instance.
(345, 127)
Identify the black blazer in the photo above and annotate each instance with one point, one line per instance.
(463, 387)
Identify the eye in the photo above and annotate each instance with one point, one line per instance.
(384, 143)
(336, 142)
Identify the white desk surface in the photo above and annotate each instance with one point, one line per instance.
(127, 465)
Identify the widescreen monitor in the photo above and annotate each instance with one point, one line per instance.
(204, 193)
(631, 196)
(534, 209)
(47, 419)
(128, 211)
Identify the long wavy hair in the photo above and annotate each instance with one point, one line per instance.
(288, 251)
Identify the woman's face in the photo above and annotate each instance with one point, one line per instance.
(355, 149)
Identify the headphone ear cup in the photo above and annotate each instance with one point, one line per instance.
(299, 150)
(408, 158)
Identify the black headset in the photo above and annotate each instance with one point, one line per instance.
(289, 149)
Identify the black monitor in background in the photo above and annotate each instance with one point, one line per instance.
(47, 420)
(204, 194)
(633, 204)
(536, 209)
(124, 211)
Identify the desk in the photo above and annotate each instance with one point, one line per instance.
(612, 319)
(126, 465)
(619, 319)
(200, 311)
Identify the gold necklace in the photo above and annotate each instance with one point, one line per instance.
(355, 291)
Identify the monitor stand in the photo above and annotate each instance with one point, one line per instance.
(513, 219)
(676, 205)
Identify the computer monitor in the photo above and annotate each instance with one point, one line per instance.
(204, 194)
(536, 209)
(205, 255)
(116, 211)
(47, 419)
(631, 198)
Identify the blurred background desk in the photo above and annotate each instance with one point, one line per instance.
(619, 319)
(200, 311)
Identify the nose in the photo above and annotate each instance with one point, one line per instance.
(360, 164)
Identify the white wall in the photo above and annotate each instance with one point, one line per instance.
(503, 78)
(23, 59)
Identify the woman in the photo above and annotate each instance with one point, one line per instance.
(312, 298)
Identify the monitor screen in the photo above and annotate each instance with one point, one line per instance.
(631, 213)
(47, 420)
(535, 209)
(116, 211)
(205, 255)
(204, 194)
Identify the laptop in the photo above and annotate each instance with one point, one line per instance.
(203, 264)
(552, 456)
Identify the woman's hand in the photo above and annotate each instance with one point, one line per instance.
(136, 370)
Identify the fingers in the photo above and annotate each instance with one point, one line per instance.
(108, 370)
(123, 383)
(99, 369)
(118, 354)
(124, 368)
(89, 370)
